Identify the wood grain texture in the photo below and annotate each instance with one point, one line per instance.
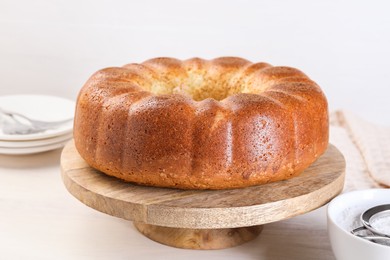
(194, 209)
(199, 238)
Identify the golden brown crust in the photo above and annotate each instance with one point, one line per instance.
(155, 124)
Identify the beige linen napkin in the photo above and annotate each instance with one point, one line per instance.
(366, 148)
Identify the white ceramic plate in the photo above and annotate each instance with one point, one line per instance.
(39, 107)
(34, 143)
(31, 150)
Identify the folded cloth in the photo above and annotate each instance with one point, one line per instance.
(366, 148)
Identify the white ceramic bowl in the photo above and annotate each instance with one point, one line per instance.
(343, 215)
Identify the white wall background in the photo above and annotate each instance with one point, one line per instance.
(53, 46)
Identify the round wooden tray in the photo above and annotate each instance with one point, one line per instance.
(202, 219)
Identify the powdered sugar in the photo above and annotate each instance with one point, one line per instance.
(349, 219)
(381, 222)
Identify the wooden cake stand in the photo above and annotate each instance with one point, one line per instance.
(201, 219)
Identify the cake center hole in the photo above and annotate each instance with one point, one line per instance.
(200, 87)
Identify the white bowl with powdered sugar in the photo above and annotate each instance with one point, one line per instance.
(344, 214)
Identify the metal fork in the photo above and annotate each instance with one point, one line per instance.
(22, 124)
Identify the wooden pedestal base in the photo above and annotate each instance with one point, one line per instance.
(199, 238)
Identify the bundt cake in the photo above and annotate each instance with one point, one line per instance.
(201, 124)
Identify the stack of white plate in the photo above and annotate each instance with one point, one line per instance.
(37, 107)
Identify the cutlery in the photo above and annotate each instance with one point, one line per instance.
(21, 124)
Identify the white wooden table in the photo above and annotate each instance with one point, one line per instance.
(39, 219)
